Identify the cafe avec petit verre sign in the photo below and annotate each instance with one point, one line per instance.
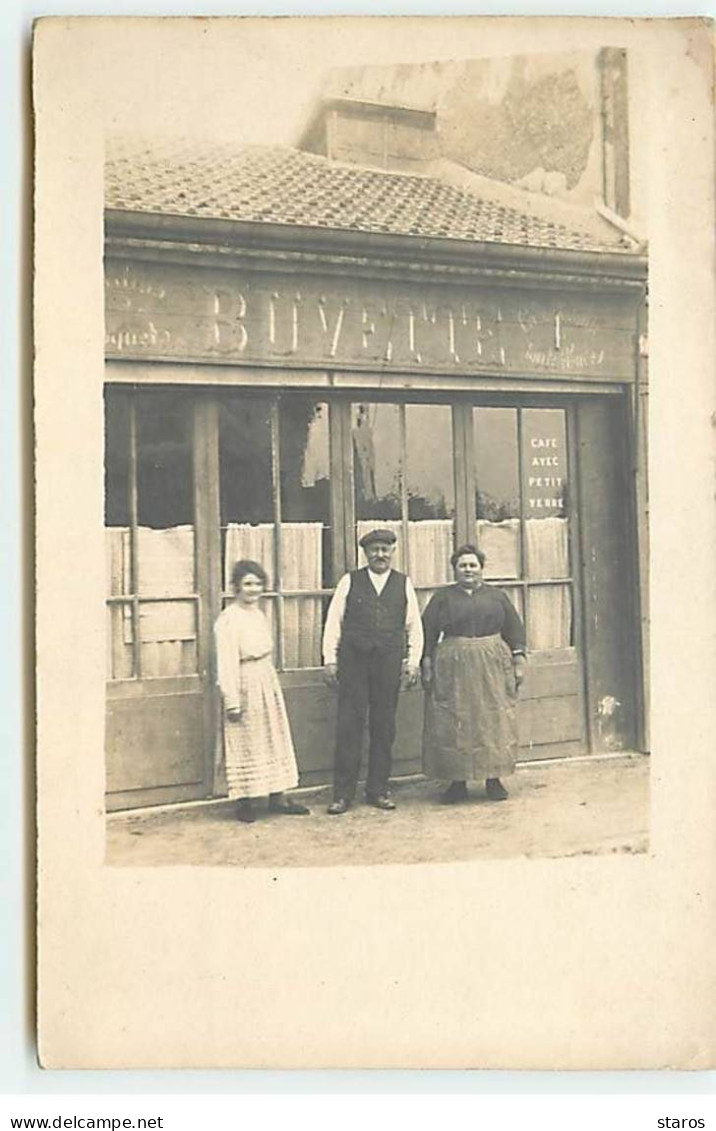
(167, 313)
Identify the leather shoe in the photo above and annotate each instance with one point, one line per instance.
(495, 790)
(291, 808)
(340, 805)
(454, 794)
(381, 802)
(245, 813)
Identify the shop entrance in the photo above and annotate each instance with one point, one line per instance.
(197, 478)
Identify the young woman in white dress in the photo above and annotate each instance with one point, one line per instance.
(258, 749)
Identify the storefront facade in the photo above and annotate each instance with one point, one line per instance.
(273, 389)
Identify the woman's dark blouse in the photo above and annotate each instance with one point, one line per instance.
(484, 612)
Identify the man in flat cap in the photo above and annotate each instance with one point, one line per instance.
(373, 626)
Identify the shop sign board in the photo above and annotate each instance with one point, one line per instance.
(168, 312)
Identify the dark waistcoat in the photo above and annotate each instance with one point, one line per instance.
(371, 620)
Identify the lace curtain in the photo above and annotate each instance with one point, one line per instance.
(166, 567)
(167, 629)
(302, 568)
(430, 545)
(550, 606)
(546, 556)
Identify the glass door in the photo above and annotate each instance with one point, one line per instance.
(157, 661)
(403, 472)
(275, 509)
(403, 468)
(278, 507)
(524, 521)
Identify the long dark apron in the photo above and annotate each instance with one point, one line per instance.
(470, 727)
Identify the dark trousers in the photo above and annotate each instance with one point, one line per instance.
(368, 683)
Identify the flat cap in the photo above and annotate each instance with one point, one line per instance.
(378, 535)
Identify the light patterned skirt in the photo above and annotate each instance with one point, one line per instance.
(470, 726)
(258, 750)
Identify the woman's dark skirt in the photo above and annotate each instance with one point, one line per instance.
(470, 729)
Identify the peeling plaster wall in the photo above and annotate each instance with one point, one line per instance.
(529, 121)
(534, 120)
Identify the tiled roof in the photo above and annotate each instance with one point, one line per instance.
(286, 186)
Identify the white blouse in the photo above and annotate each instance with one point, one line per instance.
(241, 634)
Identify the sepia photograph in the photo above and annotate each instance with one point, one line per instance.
(374, 537)
(375, 471)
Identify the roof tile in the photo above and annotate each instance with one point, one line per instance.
(270, 184)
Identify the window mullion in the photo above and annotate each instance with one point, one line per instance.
(463, 474)
(523, 524)
(471, 477)
(404, 486)
(133, 536)
(277, 540)
(348, 481)
(573, 530)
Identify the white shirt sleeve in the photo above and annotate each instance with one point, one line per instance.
(413, 626)
(334, 620)
(228, 666)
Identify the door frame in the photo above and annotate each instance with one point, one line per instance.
(339, 398)
(200, 684)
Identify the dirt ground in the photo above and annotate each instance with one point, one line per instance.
(582, 807)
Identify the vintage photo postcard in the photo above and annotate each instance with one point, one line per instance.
(375, 542)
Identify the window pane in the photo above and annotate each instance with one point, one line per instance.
(302, 631)
(245, 481)
(497, 489)
(116, 458)
(515, 596)
(165, 535)
(120, 655)
(165, 561)
(164, 459)
(305, 494)
(377, 466)
(431, 493)
(118, 572)
(549, 623)
(120, 652)
(544, 446)
(305, 525)
(118, 560)
(382, 456)
(431, 481)
(168, 635)
(378, 472)
(116, 495)
(164, 549)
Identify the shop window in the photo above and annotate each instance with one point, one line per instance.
(274, 477)
(245, 470)
(117, 473)
(149, 535)
(304, 455)
(497, 490)
(378, 462)
(545, 503)
(274, 495)
(404, 479)
(521, 509)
